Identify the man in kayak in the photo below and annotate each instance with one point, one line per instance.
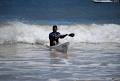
(54, 36)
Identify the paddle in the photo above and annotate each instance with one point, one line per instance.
(71, 34)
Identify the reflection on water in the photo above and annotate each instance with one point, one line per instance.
(55, 54)
(84, 62)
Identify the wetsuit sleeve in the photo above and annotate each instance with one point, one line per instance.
(62, 36)
(50, 36)
(51, 39)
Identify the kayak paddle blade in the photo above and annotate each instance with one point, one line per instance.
(71, 35)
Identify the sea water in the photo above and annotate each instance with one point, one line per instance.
(93, 54)
(83, 62)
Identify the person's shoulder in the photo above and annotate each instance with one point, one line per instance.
(50, 33)
(58, 32)
(54, 33)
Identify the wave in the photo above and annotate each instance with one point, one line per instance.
(18, 32)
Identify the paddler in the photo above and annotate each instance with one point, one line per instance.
(54, 36)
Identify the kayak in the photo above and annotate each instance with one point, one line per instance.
(60, 47)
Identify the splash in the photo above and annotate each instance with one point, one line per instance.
(18, 32)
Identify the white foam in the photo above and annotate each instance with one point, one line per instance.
(53, 79)
(66, 61)
(27, 33)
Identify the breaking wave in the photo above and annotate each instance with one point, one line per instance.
(18, 32)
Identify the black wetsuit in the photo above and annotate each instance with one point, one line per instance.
(54, 38)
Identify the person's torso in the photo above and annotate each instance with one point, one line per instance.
(54, 35)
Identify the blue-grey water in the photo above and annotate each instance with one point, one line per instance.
(84, 62)
(59, 11)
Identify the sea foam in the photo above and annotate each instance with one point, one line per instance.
(18, 32)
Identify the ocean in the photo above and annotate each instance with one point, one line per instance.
(93, 54)
(59, 12)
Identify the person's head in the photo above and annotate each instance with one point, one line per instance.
(54, 28)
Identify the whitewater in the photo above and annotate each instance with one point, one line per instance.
(93, 54)
(19, 32)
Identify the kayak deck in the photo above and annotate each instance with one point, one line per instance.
(60, 47)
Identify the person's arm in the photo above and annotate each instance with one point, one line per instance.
(51, 39)
(63, 36)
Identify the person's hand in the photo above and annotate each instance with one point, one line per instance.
(71, 34)
(66, 34)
